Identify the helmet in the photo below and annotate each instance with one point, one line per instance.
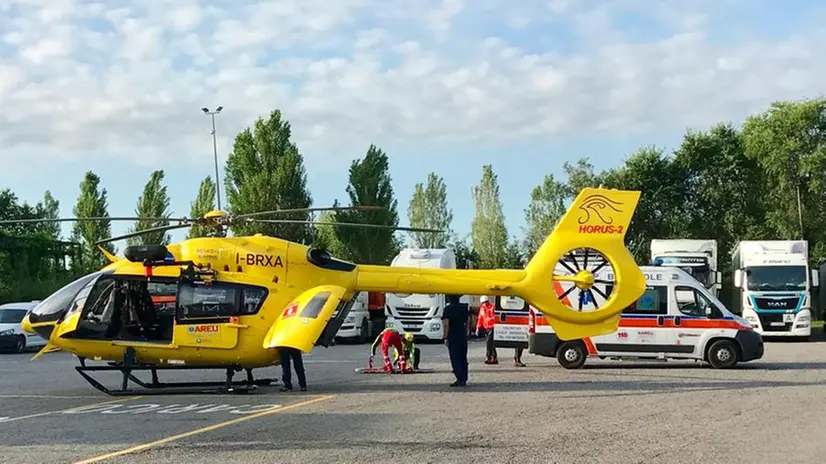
(484, 299)
(408, 336)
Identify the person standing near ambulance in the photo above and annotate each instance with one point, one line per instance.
(485, 320)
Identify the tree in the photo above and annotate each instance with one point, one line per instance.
(49, 208)
(488, 231)
(153, 203)
(92, 202)
(514, 257)
(204, 203)
(466, 256)
(428, 209)
(788, 142)
(723, 188)
(325, 235)
(370, 185)
(265, 172)
(546, 208)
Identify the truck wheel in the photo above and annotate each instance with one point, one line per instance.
(571, 354)
(364, 332)
(20, 345)
(722, 354)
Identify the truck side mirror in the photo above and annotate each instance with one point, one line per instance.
(738, 278)
(815, 278)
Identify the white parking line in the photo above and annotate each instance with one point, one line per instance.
(76, 408)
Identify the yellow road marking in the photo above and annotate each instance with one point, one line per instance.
(76, 408)
(208, 428)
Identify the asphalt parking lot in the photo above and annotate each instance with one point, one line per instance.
(609, 411)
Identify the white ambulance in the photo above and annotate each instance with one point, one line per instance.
(676, 318)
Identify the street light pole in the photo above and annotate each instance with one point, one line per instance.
(215, 151)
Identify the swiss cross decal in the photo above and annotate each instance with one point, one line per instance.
(291, 310)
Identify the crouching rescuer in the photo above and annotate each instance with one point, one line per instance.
(391, 337)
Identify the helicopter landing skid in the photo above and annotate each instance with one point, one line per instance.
(155, 387)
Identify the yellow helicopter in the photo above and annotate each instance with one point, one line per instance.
(231, 302)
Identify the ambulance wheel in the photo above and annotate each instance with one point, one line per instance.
(571, 354)
(722, 354)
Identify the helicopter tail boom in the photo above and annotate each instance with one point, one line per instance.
(597, 220)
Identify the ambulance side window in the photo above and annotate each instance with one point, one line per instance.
(653, 301)
(691, 302)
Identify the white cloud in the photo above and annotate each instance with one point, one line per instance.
(106, 79)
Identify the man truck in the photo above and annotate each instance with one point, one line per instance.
(420, 314)
(696, 257)
(774, 286)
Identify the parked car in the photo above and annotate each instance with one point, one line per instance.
(12, 336)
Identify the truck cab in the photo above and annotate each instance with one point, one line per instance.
(420, 314)
(774, 286)
(675, 318)
(696, 257)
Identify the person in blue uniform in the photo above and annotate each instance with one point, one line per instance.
(454, 318)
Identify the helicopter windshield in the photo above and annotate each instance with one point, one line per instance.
(58, 302)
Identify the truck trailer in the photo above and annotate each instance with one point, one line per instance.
(774, 286)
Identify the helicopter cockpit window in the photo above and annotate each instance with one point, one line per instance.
(61, 299)
(251, 299)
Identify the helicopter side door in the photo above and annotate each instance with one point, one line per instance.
(304, 320)
(207, 314)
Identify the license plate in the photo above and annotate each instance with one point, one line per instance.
(788, 318)
(774, 324)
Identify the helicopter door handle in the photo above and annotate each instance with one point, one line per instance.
(238, 326)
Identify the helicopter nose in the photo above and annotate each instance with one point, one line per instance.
(26, 325)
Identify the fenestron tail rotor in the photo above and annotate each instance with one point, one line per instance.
(576, 275)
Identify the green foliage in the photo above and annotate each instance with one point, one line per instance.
(153, 203)
(488, 231)
(546, 208)
(788, 142)
(370, 185)
(265, 172)
(204, 203)
(325, 235)
(429, 209)
(92, 202)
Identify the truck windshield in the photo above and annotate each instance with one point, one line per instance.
(776, 278)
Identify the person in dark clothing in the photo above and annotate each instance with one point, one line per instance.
(286, 355)
(455, 317)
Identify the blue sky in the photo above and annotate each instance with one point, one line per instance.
(442, 86)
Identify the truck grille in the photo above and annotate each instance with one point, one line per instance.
(412, 312)
(766, 321)
(777, 303)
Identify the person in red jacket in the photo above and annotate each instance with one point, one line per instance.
(485, 320)
(389, 337)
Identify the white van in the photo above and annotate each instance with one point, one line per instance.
(676, 318)
(12, 336)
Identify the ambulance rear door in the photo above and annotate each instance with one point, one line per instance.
(511, 327)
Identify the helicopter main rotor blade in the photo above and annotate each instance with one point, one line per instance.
(143, 232)
(300, 210)
(91, 219)
(346, 224)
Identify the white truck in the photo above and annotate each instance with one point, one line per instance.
(356, 325)
(774, 285)
(420, 314)
(696, 257)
